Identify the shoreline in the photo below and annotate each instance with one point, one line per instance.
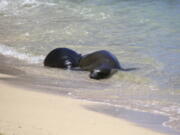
(13, 79)
(37, 99)
(31, 112)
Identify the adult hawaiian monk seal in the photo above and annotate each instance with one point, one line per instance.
(101, 64)
(62, 58)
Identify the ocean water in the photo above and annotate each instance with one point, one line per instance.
(141, 33)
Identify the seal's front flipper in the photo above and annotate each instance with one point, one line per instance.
(68, 64)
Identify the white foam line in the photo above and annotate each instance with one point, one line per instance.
(9, 51)
(3, 4)
(165, 123)
(27, 2)
(168, 123)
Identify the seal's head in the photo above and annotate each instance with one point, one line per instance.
(100, 73)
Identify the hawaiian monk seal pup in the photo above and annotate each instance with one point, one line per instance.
(101, 64)
(62, 58)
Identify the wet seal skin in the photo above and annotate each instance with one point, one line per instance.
(101, 64)
(62, 58)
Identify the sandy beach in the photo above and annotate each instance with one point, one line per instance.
(26, 112)
(139, 34)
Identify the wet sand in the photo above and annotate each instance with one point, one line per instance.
(35, 111)
(32, 112)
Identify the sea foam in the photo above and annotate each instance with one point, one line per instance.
(3, 4)
(9, 51)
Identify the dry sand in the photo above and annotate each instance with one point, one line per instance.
(26, 112)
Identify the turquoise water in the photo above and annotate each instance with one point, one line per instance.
(141, 33)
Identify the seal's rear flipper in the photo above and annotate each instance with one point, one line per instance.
(128, 69)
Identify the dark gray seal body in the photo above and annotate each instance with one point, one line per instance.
(62, 58)
(100, 64)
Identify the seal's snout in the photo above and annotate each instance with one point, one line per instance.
(100, 73)
(95, 74)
